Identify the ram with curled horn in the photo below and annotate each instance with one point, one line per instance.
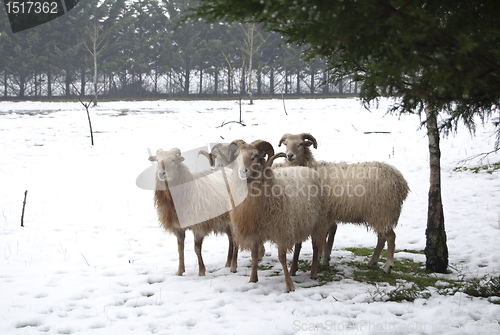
(378, 207)
(276, 208)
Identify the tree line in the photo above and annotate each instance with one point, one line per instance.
(141, 49)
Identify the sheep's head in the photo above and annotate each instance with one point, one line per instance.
(297, 147)
(251, 158)
(168, 163)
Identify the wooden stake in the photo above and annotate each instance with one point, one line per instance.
(24, 205)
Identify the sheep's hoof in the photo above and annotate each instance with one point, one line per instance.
(371, 264)
(201, 273)
(179, 273)
(388, 268)
(233, 270)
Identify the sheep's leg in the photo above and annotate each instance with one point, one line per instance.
(262, 251)
(378, 250)
(282, 257)
(391, 245)
(329, 244)
(198, 241)
(254, 248)
(314, 264)
(234, 261)
(181, 235)
(295, 261)
(231, 247)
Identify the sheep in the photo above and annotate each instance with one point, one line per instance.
(370, 193)
(276, 207)
(201, 196)
(218, 159)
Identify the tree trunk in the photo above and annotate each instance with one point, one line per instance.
(201, 82)
(186, 82)
(312, 80)
(216, 82)
(82, 82)
(95, 73)
(341, 87)
(326, 90)
(49, 84)
(251, 27)
(156, 79)
(68, 83)
(259, 84)
(36, 84)
(298, 82)
(21, 86)
(436, 250)
(5, 89)
(271, 83)
(286, 82)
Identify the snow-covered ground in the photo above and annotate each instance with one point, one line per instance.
(92, 258)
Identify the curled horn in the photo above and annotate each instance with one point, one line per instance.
(283, 138)
(233, 147)
(269, 163)
(209, 156)
(175, 151)
(264, 147)
(311, 138)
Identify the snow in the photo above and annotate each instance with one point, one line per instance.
(92, 258)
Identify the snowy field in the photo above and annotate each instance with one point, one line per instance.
(92, 258)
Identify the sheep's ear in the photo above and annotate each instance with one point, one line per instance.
(153, 158)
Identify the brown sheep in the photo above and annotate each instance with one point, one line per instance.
(274, 208)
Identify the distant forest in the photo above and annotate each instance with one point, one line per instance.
(140, 49)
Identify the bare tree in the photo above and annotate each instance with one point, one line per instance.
(97, 45)
(250, 49)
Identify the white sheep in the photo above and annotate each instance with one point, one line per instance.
(280, 205)
(182, 198)
(369, 193)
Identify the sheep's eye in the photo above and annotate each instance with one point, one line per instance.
(301, 143)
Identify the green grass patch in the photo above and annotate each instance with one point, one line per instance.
(489, 168)
(409, 280)
(487, 287)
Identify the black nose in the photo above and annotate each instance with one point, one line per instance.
(289, 155)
